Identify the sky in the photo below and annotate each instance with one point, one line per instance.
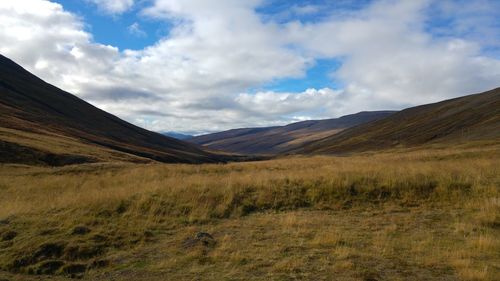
(198, 66)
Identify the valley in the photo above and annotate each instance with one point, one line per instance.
(382, 195)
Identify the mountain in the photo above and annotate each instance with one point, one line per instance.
(470, 118)
(272, 140)
(42, 124)
(176, 135)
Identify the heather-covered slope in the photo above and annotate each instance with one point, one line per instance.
(41, 124)
(469, 118)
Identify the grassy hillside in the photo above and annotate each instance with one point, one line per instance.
(401, 215)
(272, 140)
(460, 120)
(40, 123)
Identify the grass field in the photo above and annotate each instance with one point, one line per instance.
(424, 214)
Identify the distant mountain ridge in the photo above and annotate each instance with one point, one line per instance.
(176, 135)
(277, 139)
(42, 124)
(470, 118)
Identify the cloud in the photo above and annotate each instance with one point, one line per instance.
(52, 43)
(113, 6)
(394, 54)
(388, 55)
(475, 21)
(135, 29)
(117, 93)
(305, 9)
(278, 104)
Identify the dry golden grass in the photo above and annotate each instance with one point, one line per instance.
(400, 215)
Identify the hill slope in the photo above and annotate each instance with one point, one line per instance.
(470, 118)
(270, 140)
(41, 124)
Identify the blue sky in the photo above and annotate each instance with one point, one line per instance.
(112, 29)
(318, 75)
(208, 65)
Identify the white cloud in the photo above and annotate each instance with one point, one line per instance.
(197, 78)
(135, 29)
(113, 6)
(279, 104)
(388, 55)
(53, 44)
